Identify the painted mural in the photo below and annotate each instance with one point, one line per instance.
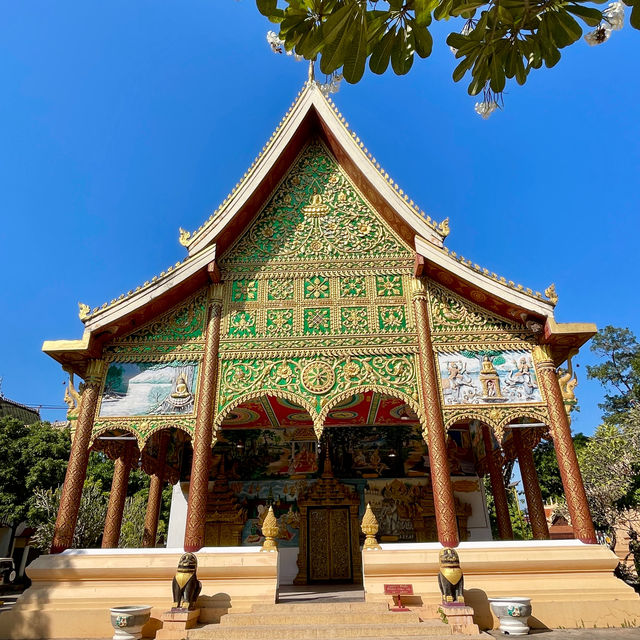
(147, 388)
(261, 454)
(488, 377)
(356, 452)
(256, 497)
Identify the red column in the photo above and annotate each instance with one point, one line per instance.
(77, 469)
(565, 452)
(498, 490)
(118, 495)
(155, 494)
(535, 505)
(203, 436)
(436, 436)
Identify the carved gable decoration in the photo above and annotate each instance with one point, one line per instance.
(318, 216)
(451, 313)
(176, 333)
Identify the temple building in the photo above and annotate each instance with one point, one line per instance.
(319, 348)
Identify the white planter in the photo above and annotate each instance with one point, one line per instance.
(128, 621)
(513, 613)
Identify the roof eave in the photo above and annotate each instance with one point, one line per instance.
(493, 287)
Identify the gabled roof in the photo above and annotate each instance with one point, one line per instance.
(312, 115)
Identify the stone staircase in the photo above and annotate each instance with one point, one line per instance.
(337, 621)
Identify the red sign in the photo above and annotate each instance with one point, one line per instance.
(398, 589)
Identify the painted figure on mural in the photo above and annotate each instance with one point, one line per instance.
(521, 378)
(460, 383)
(488, 377)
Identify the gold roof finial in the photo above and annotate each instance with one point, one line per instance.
(550, 292)
(84, 310)
(184, 237)
(312, 75)
(443, 227)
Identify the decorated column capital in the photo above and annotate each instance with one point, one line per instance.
(95, 373)
(418, 289)
(543, 356)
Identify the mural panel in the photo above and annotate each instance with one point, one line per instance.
(147, 388)
(488, 377)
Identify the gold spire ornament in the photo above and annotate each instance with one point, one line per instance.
(84, 311)
(269, 531)
(550, 292)
(369, 527)
(184, 237)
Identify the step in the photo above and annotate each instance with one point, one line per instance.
(300, 608)
(319, 632)
(309, 618)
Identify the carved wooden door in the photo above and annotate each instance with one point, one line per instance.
(329, 544)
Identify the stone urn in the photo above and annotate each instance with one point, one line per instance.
(128, 621)
(513, 613)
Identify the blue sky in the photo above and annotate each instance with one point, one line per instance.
(121, 121)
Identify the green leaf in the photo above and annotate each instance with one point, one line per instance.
(401, 54)
(462, 68)
(521, 72)
(591, 16)
(497, 80)
(423, 10)
(423, 41)
(634, 19)
(356, 56)
(564, 28)
(443, 10)
(341, 32)
(267, 7)
(381, 54)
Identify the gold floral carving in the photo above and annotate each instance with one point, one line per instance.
(317, 377)
(170, 336)
(453, 314)
(253, 377)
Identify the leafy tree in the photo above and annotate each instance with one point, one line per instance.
(91, 516)
(544, 456)
(610, 465)
(620, 372)
(497, 40)
(132, 531)
(519, 524)
(32, 457)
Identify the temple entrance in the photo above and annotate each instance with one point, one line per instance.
(329, 554)
(329, 532)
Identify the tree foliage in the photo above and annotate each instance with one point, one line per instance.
(91, 516)
(620, 371)
(610, 465)
(32, 457)
(544, 456)
(498, 40)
